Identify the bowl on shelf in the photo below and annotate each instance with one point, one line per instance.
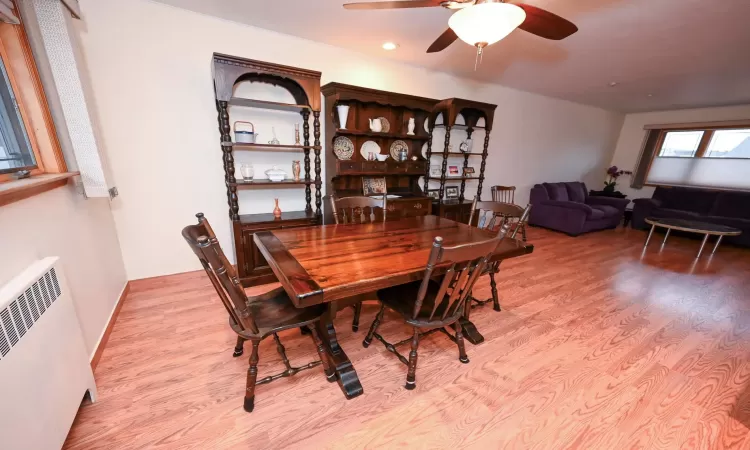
(381, 158)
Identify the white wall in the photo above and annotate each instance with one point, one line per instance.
(631, 137)
(151, 75)
(82, 233)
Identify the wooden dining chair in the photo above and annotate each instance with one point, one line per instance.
(503, 194)
(434, 304)
(256, 318)
(358, 210)
(512, 216)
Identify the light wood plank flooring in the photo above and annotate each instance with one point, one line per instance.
(594, 349)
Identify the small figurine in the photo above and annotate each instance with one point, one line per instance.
(411, 127)
(274, 141)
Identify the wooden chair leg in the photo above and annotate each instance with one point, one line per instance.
(460, 342)
(411, 381)
(375, 324)
(239, 348)
(523, 231)
(355, 321)
(493, 288)
(330, 373)
(252, 376)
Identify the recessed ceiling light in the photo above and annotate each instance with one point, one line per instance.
(613, 84)
(650, 95)
(390, 46)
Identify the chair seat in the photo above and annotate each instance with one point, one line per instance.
(402, 298)
(274, 311)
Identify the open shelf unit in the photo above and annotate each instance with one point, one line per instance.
(345, 177)
(304, 86)
(472, 112)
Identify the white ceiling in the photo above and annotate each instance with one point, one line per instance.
(684, 53)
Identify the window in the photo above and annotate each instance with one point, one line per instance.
(713, 155)
(15, 149)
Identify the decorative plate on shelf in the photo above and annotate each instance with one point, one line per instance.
(386, 124)
(424, 150)
(369, 146)
(343, 148)
(396, 148)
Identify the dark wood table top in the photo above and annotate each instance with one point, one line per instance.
(322, 264)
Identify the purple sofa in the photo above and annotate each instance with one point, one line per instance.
(719, 207)
(567, 207)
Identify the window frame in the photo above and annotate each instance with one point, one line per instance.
(708, 129)
(17, 55)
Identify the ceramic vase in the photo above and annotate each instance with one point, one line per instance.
(276, 209)
(295, 170)
(411, 127)
(343, 115)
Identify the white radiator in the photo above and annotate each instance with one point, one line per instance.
(44, 366)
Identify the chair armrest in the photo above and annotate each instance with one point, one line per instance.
(619, 203)
(568, 205)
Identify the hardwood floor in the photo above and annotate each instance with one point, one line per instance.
(594, 349)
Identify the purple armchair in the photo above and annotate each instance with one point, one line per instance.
(567, 207)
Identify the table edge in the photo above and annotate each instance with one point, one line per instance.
(737, 231)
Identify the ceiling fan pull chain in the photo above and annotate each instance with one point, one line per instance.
(480, 52)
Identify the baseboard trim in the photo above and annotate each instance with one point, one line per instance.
(107, 331)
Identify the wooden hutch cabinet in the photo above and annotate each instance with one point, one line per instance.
(304, 86)
(473, 114)
(344, 176)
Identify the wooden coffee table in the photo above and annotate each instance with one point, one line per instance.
(691, 226)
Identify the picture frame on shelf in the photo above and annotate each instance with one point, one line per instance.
(453, 171)
(469, 171)
(434, 194)
(436, 171)
(374, 186)
(451, 192)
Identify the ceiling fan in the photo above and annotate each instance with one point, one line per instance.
(483, 22)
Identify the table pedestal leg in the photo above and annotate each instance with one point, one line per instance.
(703, 244)
(346, 376)
(470, 331)
(718, 241)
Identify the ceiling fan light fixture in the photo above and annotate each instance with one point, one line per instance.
(486, 23)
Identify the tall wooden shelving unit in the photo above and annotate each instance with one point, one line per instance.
(304, 86)
(472, 112)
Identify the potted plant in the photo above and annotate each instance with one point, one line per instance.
(613, 173)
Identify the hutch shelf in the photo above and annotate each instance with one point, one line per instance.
(345, 176)
(304, 86)
(472, 112)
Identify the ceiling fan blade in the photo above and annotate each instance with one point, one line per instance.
(443, 41)
(394, 5)
(545, 24)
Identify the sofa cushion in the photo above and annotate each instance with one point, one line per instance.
(675, 214)
(596, 214)
(732, 204)
(557, 191)
(576, 191)
(607, 210)
(693, 200)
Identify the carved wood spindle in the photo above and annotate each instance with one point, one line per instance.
(306, 136)
(469, 131)
(318, 181)
(445, 159)
(429, 155)
(484, 163)
(228, 158)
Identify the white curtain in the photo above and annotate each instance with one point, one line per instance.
(722, 173)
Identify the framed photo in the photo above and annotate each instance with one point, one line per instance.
(435, 194)
(453, 171)
(451, 192)
(468, 171)
(436, 171)
(373, 186)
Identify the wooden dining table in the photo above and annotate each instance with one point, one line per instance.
(336, 264)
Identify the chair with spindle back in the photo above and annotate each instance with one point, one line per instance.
(254, 319)
(434, 304)
(503, 194)
(358, 210)
(509, 215)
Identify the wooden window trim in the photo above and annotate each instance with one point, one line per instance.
(32, 101)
